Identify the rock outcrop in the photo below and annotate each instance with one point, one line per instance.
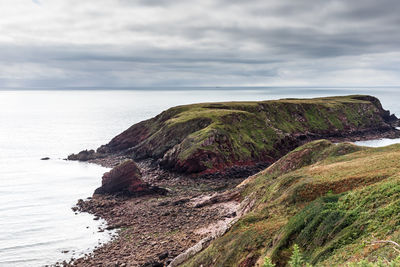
(126, 179)
(85, 155)
(212, 138)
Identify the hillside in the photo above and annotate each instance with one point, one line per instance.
(333, 200)
(242, 136)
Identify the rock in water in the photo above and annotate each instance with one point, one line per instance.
(84, 155)
(125, 178)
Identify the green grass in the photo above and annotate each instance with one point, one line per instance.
(333, 200)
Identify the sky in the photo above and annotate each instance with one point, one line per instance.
(172, 43)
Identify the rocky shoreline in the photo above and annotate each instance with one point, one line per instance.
(110, 160)
(163, 229)
(154, 229)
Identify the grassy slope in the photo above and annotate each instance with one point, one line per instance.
(231, 133)
(331, 200)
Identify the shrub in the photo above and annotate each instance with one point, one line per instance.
(268, 262)
(296, 260)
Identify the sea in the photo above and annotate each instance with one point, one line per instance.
(37, 225)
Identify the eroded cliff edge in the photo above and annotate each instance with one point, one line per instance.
(235, 137)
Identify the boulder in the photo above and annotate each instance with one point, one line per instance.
(125, 178)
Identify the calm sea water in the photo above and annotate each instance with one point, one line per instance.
(36, 220)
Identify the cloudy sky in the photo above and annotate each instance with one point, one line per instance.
(134, 43)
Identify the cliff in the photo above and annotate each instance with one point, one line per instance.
(335, 201)
(218, 137)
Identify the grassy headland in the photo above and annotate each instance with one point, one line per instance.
(213, 137)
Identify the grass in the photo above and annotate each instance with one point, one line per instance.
(333, 200)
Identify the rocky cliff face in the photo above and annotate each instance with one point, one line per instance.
(216, 137)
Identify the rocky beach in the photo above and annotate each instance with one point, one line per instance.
(178, 180)
(156, 227)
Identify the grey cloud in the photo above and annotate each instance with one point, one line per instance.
(369, 9)
(213, 43)
(154, 3)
